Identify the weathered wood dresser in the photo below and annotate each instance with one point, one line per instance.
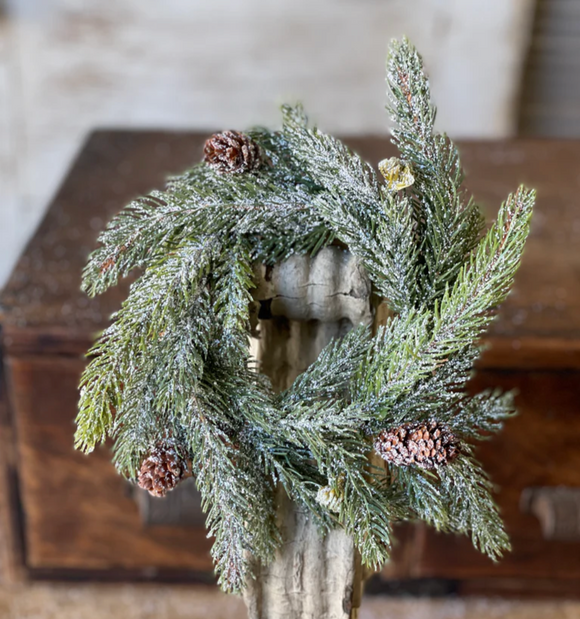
(67, 515)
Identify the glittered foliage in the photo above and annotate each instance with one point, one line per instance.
(175, 361)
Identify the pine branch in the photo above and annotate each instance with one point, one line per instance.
(423, 494)
(251, 404)
(332, 438)
(331, 375)
(367, 514)
(139, 234)
(377, 226)
(482, 415)
(273, 209)
(410, 347)
(233, 281)
(240, 509)
(436, 394)
(166, 313)
(467, 490)
(448, 222)
(468, 308)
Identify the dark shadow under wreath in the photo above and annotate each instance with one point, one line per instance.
(172, 382)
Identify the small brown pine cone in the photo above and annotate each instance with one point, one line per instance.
(232, 152)
(424, 443)
(162, 470)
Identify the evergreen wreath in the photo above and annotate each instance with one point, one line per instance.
(172, 382)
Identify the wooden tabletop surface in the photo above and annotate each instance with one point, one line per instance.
(43, 311)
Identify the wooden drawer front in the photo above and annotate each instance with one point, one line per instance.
(78, 511)
(540, 447)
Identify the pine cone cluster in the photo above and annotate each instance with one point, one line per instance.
(162, 470)
(232, 152)
(425, 443)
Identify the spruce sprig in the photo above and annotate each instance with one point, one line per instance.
(448, 221)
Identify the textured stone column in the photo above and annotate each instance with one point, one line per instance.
(301, 305)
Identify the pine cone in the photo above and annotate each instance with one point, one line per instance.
(425, 443)
(232, 152)
(162, 470)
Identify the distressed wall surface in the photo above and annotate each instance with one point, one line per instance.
(69, 65)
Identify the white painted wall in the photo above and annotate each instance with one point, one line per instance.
(69, 65)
